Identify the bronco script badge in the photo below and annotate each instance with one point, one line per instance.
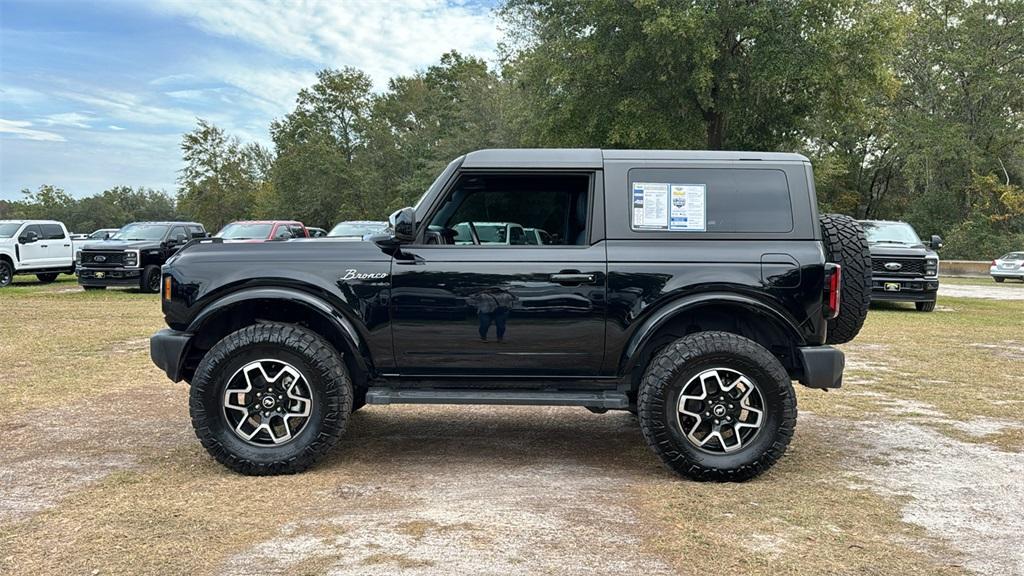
(353, 274)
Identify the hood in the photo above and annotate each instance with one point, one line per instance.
(121, 245)
(883, 249)
(325, 250)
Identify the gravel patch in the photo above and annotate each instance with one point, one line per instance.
(993, 292)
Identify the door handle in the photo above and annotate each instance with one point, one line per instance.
(44, 245)
(572, 278)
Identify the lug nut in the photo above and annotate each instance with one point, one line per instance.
(717, 422)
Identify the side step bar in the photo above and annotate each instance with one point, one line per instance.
(603, 399)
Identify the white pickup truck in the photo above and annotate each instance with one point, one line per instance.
(40, 247)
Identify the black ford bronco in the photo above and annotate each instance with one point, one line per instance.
(133, 255)
(903, 267)
(690, 288)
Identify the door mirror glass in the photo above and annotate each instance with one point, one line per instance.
(403, 225)
(936, 242)
(180, 239)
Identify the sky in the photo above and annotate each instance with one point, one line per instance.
(97, 94)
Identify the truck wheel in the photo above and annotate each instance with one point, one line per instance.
(925, 306)
(6, 273)
(846, 245)
(47, 277)
(150, 279)
(270, 399)
(717, 406)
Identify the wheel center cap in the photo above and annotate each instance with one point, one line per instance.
(268, 402)
(719, 410)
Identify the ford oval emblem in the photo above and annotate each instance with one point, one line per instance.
(100, 258)
(893, 266)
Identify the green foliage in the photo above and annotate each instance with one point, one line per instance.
(111, 208)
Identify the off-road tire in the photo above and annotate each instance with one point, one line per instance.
(668, 373)
(47, 277)
(146, 280)
(319, 363)
(90, 288)
(925, 306)
(998, 279)
(846, 245)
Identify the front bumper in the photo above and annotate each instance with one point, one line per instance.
(917, 289)
(823, 366)
(167, 349)
(108, 276)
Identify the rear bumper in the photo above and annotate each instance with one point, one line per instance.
(911, 289)
(823, 366)
(997, 273)
(111, 276)
(167, 349)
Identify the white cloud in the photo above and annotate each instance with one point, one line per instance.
(19, 95)
(21, 129)
(71, 119)
(115, 127)
(384, 38)
(130, 107)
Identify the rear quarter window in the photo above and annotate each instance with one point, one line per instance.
(735, 200)
(52, 231)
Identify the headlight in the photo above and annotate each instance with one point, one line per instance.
(931, 267)
(78, 256)
(131, 259)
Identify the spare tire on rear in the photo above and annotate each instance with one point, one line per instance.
(846, 245)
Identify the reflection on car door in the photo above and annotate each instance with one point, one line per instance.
(489, 310)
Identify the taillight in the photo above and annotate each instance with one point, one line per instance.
(993, 263)
(833, 284)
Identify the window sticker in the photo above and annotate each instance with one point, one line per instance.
(665, 206)
(650, 205)
(688, 207)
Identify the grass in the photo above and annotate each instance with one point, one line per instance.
(174, 511)
(978, 281)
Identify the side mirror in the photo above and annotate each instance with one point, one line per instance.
(106, 236)
(936, 242)
(28, 237)
(403, 225)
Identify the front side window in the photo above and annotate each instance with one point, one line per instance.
(141, 232)
(241, 231)
(498, 209)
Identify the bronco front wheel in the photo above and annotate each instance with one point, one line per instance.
(270, 399)
(717, 406)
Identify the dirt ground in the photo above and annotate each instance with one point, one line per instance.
(913, 467)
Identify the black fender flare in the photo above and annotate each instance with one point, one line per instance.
(669, 310)
(315, 304)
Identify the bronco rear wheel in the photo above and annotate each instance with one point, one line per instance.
(717, 406)
(270, 399)
(846, 245)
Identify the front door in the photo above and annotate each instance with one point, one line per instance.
(34, 254)
(473, 296)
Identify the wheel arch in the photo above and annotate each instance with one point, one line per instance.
(714, 311)
(252, 306)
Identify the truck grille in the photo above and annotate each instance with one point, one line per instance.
(908, 266)
(100, 258)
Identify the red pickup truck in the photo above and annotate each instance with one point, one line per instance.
(258, 230)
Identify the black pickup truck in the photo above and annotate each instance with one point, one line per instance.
(904, 268)
(133, 255)
(690, 288)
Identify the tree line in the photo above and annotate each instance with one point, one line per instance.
(908, 109)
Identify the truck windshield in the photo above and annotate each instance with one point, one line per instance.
(141, 232)
(8, 229)
(890, 233)
(239, 231)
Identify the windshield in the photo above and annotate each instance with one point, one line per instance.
(141, 232)
(439, 181)
(8, 229)
(890, 233)
(238, 231)
(101, 234)
(1010, 256)
(357, 229)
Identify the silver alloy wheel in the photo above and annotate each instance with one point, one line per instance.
(267, 402)
(720, 410)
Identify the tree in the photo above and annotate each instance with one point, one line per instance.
(222, 178)
(704, 74)
(317, 174)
